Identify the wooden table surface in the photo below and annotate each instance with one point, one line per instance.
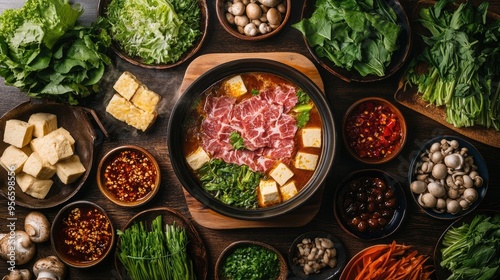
(418, 229)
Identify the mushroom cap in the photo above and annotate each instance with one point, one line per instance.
(18, 274)
(49, 268)
(24, 248)
(37, 226)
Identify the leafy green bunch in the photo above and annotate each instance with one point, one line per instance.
(251, 262)
(45, 53)
(459, 67)
(158, 31)
(359, 34)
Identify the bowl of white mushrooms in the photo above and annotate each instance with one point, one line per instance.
(448, 177)
(253, 20)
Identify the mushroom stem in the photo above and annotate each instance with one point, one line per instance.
(37, 226)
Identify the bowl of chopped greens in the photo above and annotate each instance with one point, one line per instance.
(250, 260)
(155, 34)
(469, 247)
(172, 241)
(362, 42)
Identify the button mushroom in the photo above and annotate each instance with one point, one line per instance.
(49, 268)
(17, 246)
(37, 226)
(18, 274)
(270, 3)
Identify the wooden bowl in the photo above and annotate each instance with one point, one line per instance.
(355, 139)
(102, 10)
(343, 217)
(107, 173)
(195, 248)
(325, 273)
(244, 244)
(91, 219)
(231, 28)
(398, 58)
(74, 119)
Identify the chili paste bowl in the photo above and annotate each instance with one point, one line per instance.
(198, 165)
(374, 130)
(128, 176)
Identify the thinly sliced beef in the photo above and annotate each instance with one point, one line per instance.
(262, 122)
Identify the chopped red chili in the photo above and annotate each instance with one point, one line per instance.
(373, 130)
(130, 176)
(86, 234)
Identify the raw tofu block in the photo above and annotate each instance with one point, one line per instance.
(235, 86)
(281, 173)
(126, 85)
(35, 145)
(145, 99)
(14, 158)
(288, 191)
(306, 161)
(70, 169)
(43, 123)
(39, 168)
(54, 147)
(17, 133)
(311, 137)
(268, 193)
(62, 131)
(125, 111)
(37, 188)
(197, 158)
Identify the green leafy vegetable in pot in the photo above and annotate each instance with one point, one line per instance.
(359, 34)
(45, 53)
(459, 67)
(158, 31)
(156, 253)
(471, 251)
(251, 262)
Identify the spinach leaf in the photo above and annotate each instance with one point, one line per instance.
(251, 262)
(236, 140)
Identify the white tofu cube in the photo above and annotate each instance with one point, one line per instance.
(54, 147)
(17, 133)
(306, 161)
(288, 191)
(39, 168)
(43, 123)
(37, 188)
(268, 193)
(197, 158)
(235, 86)
(62, 131)
(281, 173)
(14, 158)
(145, 99)
(311, 137)
(70, 169)
(126, 85)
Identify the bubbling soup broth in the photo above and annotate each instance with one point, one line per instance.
(253, 140)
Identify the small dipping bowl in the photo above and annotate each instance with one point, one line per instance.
(369, 204)
(82, 234)
(374, 130)
(128, 176)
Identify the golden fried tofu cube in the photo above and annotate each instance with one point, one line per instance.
(125, 111)
(43, 123)
(146, 99)
(126, 85)
(17, 133)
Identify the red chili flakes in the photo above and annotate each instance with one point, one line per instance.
(130, 176)
(373, 130)
(86, 234)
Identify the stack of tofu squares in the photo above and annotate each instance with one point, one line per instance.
(39, 149)
(133, 103)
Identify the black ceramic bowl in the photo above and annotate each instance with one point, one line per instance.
(181, 112)
(343, 214)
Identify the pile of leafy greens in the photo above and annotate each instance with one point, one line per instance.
(157, 31)
(359, 34)
(471, 251)
(251, 262)
(230, 183)
(45, 53)
(459, 67)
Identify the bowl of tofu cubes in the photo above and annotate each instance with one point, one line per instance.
(47, 151)
(252, 139)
